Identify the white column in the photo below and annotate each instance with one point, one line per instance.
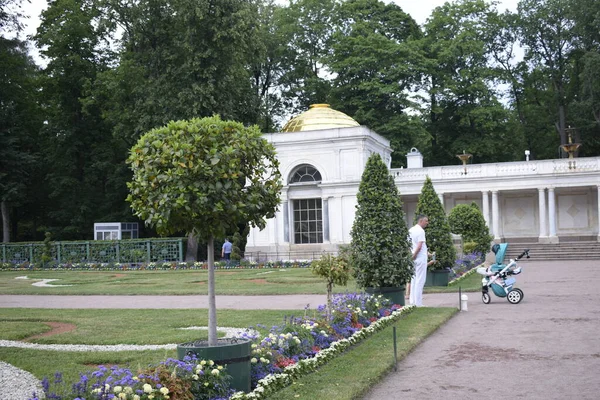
(441, 197)
(485, 202)
(496, 215)
(552, 215)
(599, 213)
(543, 214)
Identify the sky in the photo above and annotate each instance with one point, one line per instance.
(418, 9)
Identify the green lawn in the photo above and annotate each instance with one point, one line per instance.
(112, 327)
(228, 282)
(345, 377)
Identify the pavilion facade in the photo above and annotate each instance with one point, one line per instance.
(323, 153)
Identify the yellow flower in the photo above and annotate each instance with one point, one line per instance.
(117, 389)
(220, 367)
(211, 363)
(215, 372)
(136, 397)
(128, 390)
(253, 360)
(123, 396)
(195, 377)
(164, 390)
(147, 388)
(206, 383)
(203, 362)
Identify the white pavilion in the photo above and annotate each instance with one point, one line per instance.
(323, 152)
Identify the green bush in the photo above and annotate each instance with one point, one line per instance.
(437, 233)
(467, 221)
(379, 251)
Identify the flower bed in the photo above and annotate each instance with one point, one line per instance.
(154, 266)
(465, 266)
(287, 352)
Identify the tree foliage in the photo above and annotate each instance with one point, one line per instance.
(379, 251)
(467, 221)
(439, 237)
(203, 175)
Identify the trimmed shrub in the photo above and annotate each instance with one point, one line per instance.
(438, 236)
(467, 221)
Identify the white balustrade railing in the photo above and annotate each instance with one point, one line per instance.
(508, 169)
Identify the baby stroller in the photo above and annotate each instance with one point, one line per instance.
(500, 278)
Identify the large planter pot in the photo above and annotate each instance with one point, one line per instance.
(394, 294)
(235, 353)
(437, 277)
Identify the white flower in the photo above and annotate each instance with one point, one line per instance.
(136, 397)
(253, 360)
(123, 396)
(195, 377)
(215, 372)
(164, 390)
(117, 389)
(147, 388)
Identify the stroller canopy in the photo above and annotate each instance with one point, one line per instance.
(501, 252)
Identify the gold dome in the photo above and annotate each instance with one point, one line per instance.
(319, 116)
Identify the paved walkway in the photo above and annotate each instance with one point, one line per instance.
(546, 347)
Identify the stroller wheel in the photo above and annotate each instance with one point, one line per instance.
(515, 296)
(485, 297)
(520, 291)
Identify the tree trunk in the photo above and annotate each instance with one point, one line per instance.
(191, 252)
(212, 305)
(5, 222)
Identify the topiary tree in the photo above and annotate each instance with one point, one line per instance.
(438, 234)
(467, 221)
(204, 176)
(335, 270)
(236, 252)
(379, 251)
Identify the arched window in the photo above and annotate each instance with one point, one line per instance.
(305, 173)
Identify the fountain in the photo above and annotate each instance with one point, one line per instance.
(464, 157)
(570, 148)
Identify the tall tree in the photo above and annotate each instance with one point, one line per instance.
(79, 151)
(307, 27)
(464, 109)
(546, 30)
(198, 52)
(376, 67)
(20, 121)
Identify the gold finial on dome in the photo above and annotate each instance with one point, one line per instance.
(319, 116)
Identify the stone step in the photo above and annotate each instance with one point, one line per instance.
(561, 251)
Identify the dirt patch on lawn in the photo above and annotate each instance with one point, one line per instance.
(261, 281)
(118, 275)
(57, 328)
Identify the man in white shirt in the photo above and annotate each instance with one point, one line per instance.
(419, 256)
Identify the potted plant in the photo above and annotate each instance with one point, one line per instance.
(379, 252)
(206, 176)
(438, 236)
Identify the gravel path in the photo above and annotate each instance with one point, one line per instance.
(17, 384)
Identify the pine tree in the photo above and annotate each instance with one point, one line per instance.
(380, 250)
(438, 233)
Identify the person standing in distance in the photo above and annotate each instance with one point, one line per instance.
(419, 256)
(226, 250)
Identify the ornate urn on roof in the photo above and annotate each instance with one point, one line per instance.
(570, 148)
(319, 116)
